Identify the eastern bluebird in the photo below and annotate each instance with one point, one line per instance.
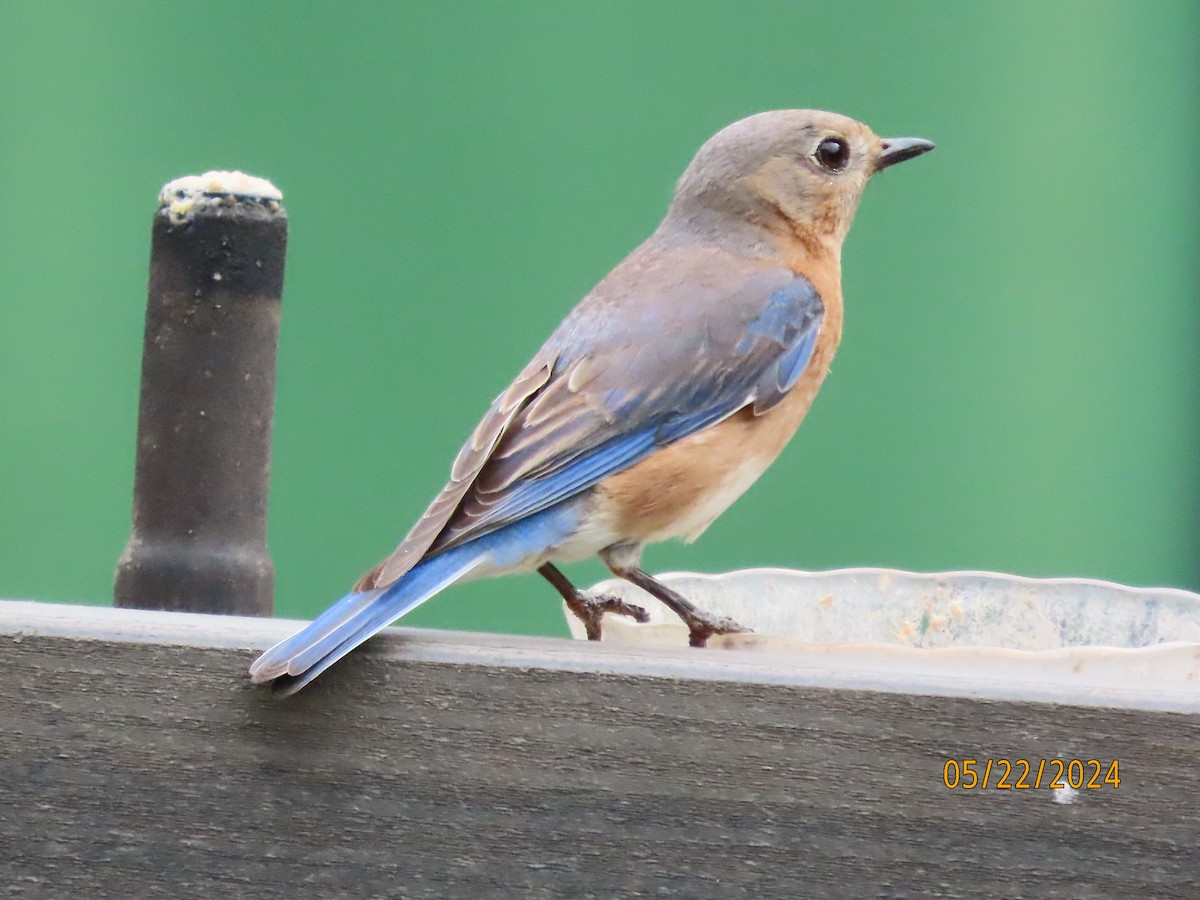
(659, 399)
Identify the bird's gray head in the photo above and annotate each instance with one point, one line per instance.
(796, 172)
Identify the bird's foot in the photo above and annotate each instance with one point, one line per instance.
(702, 625)
(590, 610)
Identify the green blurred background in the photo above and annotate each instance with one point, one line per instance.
(1017, 385)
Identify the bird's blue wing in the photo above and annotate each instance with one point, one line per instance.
(643, 391)
(616, 381)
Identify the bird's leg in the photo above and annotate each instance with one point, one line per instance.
(701, 625)
(589, 610)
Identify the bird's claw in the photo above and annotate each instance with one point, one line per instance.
(590, 610)
(702, 625)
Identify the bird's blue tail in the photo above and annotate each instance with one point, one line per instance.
(293, 663)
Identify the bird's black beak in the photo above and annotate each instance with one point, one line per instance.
(899, 149)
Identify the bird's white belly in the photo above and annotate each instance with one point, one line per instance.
(695, 519)
(595, 531)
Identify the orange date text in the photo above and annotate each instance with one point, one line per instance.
(1024, 774)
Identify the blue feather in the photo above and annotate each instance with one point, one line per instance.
(295, 662)
(792, 363)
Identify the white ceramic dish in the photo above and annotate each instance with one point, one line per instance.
(1061, 627)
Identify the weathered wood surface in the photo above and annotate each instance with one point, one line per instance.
(137, 761)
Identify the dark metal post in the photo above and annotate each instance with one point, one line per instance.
(207, 400)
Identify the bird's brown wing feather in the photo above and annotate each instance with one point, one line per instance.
(467, 465)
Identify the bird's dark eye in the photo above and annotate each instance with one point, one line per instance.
(833, 154)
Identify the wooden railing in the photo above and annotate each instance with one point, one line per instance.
(138, 761)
